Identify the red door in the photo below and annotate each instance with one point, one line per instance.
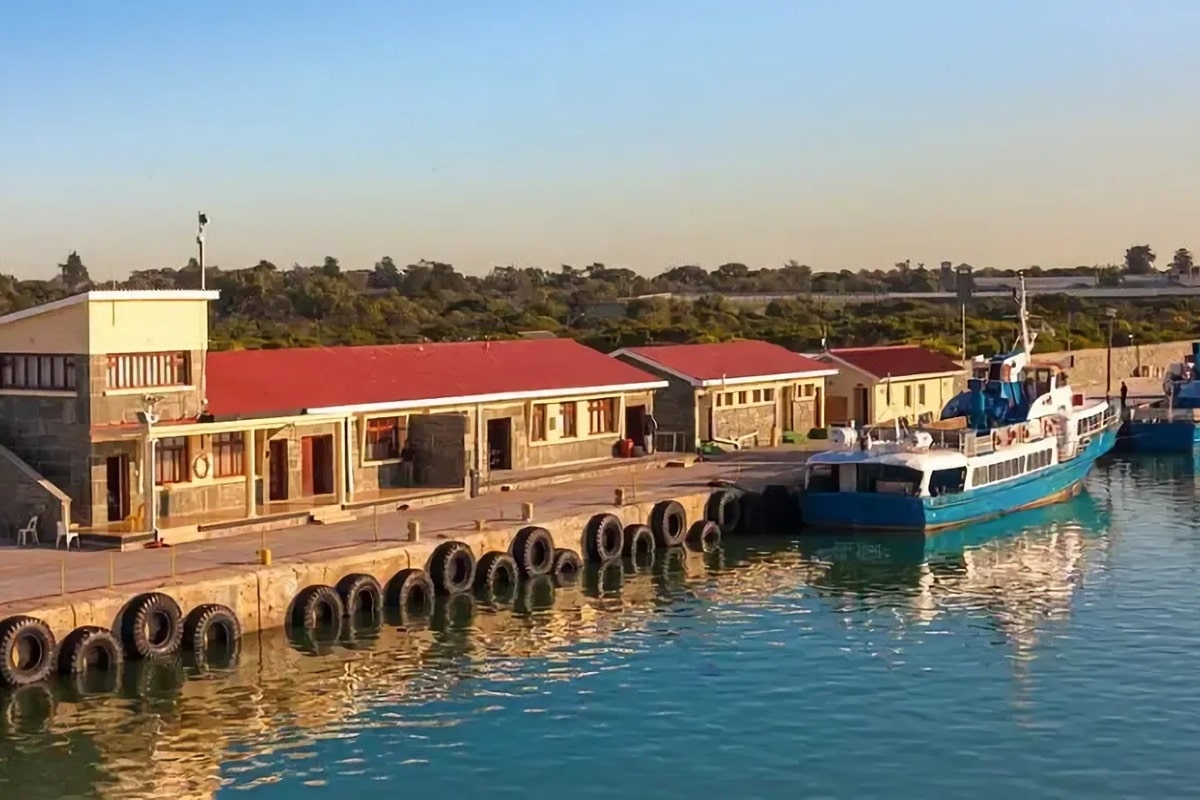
(306, 466)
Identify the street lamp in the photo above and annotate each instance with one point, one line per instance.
(1111, 313)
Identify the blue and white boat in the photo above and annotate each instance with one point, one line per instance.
(1018, 438)
(1172, 424)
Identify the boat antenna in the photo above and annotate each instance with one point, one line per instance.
(1023, 313)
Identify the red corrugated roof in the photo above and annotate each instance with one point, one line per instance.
(263, 382)
(739, 359)
(904, 360)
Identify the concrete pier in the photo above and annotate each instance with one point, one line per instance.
(68, 590)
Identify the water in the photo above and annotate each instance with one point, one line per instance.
(1050, 654)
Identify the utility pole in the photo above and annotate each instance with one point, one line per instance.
(202, 220)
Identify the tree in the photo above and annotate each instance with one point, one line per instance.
(1181, 262)
(74, 274)
(1139, 260)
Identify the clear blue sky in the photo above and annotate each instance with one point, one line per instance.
(635, 132)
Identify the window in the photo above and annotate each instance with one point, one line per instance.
(569, 424)
(228, 450)
(741, 398)
(729, 398)
(147, 370)
(383, 439)
(171, 460)
(602, 415)
(907, 396)
(53, 373)
(720, 398)
(537, 424)
(758, 397)
(921, 393)
(768, 395)
(808, 390)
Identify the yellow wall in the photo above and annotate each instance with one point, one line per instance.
(63, 331)
(147, 326)
(906, 398)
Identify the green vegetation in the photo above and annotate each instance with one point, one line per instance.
(264, 306)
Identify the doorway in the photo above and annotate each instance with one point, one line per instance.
(277, 470)
(316, 465)
(818, 408)
(117, 484)
(635, 424)
(499, 443)
(861, 409)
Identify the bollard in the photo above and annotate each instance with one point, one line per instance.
(480, 524)
(526, 512)
(619, 497)
(264, 557)
(112, 570)
(414, 530)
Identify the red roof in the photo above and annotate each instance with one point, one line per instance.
(904, 360)
(263, 382)
(745, 358)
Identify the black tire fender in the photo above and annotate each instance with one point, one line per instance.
(639, 543)
(751, 513)
(669, 523)
(452, 568)
(318, 606)
(533, 549)
(568, 566)
(357, 589)
(212, 625)
(27, 651)
(724, 508)
(90, 648)
(603, 538)
(411, 591)
(152, 626)
(496, 570)
(704, 536)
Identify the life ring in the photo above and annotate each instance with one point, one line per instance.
(201, 466)
(1012, 435)
(1006, 373)
(996, 441)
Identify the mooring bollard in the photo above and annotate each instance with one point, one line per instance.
(619, 497)
(526, 512)
(480, 524)
(264, 557)
(414, 530)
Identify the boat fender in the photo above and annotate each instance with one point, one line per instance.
(704, 535)
(496, 575)
(410, 591)
(639, 545)
(318, 606)
(724, 509)
(533, 549)
(87, 648)
(568, 566)
(669, 523)
(152, 626)
(603, 538)
(752, 513)
(452, 567)
(212, 625)
(362, 596)
(27, 650)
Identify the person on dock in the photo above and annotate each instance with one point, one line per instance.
(649, 428)
(406, 465)
(1124, 395)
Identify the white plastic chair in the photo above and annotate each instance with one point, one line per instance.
(66, 533)
(30, 531)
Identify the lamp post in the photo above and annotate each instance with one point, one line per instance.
(1111, 313)
(149, 417)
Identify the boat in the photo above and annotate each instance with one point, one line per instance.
(1172, 424)
(1019, 437)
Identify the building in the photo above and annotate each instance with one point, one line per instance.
(881, 384)
(96, 386)
(732, 391)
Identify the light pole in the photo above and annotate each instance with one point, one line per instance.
(201, 221)
(1111, 313)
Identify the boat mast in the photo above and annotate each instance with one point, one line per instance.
(1023, 314)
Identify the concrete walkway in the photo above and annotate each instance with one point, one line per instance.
(40, 572)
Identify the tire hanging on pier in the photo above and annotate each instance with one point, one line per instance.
(362, 597)
(27, 650)
(604, 578)
(568, 566)
(779, 511)
(152, 626)
(452, 568)
(533, 550)
(212, 630)
(639, 546)
(724, 508)
(496, 577)
(750, 513)
(603, 538)
(411, 592)
(90, 648)
(318, 607)
(704, 536)
(669, 523)
(537, 594)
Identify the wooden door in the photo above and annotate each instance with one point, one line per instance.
(322, 464)
(117, 474)
(306, 466)
(278, 482)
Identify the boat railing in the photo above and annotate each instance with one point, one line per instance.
(1152, 414)
(965, 440)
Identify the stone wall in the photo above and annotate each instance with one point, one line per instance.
(439, 453)
(674, 406)
(27, 493)
(804, 414)
(1087, 369)
(732, 423)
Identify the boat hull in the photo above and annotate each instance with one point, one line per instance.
(884, 512)
(1140, 436)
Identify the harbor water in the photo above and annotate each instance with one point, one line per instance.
(1045, 654)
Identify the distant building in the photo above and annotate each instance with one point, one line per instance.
(880, 384)
(733, 390)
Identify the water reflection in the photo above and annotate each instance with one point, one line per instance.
(174, 729)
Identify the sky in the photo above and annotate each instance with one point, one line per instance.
(637, 133)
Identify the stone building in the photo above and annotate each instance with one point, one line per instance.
(881, 384)
(745, 391)
(95, 387)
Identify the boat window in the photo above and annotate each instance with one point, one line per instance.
(947, 481)
(1022, 470)
(822, 478)
(888, 479)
